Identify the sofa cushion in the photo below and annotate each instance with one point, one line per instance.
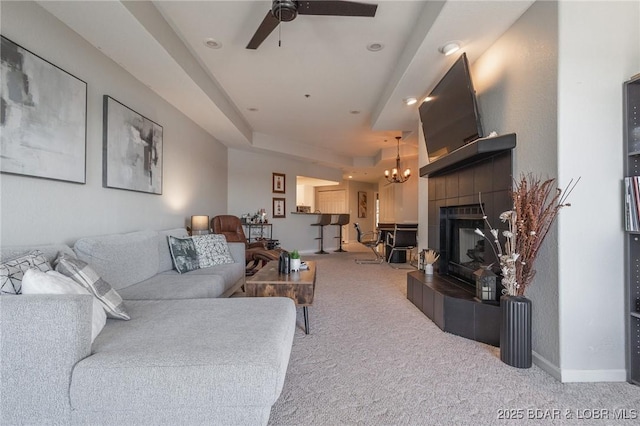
(175, 354)
(121, 259)
(12, 271)
(172, 285)
(52, 282)
(212, 250)
(84, 275)
(165, 262)
(230, 272)
(183, 252)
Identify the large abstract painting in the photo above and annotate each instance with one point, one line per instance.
(43, 117)
(132, 152)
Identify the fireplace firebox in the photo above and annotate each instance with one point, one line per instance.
(462, 250)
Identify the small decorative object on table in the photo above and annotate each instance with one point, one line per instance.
(284, 263)
(427, 259)
(295, 261)
(536, 204)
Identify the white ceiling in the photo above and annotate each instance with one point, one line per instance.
(162, 44)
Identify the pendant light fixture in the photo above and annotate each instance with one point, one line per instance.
(393, 176)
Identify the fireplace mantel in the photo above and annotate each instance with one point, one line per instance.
(472, 152)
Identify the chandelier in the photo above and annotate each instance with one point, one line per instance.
(393, 176)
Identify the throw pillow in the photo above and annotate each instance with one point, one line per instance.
(52, 282)
(212, 250)
(183, 253)
(84, 275)
(12, 271)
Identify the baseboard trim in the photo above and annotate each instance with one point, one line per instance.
(581, 376)
(578, 376)
(547, 366)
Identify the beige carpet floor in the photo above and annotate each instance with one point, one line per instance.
(372, 358)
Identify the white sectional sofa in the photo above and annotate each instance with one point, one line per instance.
(186, 356)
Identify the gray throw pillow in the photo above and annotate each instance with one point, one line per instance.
(84, 275)
(183, 253)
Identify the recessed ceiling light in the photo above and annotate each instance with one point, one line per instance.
(350, 177)
(212, 43)
(428, 99)
(354, 111)
(410, 101)
(253, 109)
(449, 48)
(375, 47)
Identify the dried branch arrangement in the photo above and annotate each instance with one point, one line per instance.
(536, 204)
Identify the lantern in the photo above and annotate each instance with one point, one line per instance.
(485, 283)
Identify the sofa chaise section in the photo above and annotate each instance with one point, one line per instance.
(177, 358)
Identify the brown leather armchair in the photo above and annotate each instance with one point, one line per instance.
(231, 227)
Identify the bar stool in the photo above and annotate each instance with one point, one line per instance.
(325, 219)
(341, 220)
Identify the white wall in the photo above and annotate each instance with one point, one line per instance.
(423, 194)
(38, 211)
(516, 85)
(599, 49)
(249, 189)
(555, 79)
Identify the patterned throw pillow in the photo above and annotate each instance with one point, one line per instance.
(183, 252)
(12, 271)
(84, 275)
(212, 250)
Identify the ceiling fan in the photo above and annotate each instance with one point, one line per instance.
(287, 10)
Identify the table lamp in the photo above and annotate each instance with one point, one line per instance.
(199, 225)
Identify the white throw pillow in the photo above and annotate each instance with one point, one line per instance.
(52, 282)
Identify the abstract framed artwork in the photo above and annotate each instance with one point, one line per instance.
(43, 117)
(279, 208)
(132, 149)
(362, 204)
(278, 183)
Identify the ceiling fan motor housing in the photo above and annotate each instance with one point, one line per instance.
(284, 10)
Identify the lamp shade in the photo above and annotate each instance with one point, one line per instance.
(199, 225)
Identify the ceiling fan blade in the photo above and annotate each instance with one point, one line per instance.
(337, 8)
(269, 23)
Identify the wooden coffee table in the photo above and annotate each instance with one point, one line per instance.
(299, 286)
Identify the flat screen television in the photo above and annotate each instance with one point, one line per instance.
(450, 117)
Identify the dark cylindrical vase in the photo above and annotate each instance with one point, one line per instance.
(515, 331)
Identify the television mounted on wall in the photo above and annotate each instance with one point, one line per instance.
(450, 117)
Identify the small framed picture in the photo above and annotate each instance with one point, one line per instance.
(278, 183)
(279, 208)
(362, 204)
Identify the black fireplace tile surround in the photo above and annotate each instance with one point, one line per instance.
(489, 179)
(448, 302)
